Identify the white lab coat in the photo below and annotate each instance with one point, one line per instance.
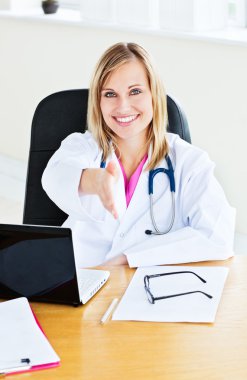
(204, 221)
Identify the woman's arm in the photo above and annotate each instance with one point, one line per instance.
(208, 220)
(74, 172)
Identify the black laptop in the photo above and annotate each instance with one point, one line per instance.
(38, 263)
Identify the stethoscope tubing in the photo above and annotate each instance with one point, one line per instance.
(157, 231)
(170, 173)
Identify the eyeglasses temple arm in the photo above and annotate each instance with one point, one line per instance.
(183, 294)
(180, 272)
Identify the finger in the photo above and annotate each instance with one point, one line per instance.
(108, 201)
(110, 206)
(106, 192)
(112, 169)
(114, 213)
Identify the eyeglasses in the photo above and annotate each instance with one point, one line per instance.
(152, 299)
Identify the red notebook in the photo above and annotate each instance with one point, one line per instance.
(24, 345)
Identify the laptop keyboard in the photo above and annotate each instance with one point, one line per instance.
(87, 280)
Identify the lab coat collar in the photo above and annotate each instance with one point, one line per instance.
(140, 202)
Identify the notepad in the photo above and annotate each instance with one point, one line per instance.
(23, 345)
(194, 307)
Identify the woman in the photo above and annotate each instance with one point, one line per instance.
(100, 178)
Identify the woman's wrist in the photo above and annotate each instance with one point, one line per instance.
(117, 260)
(87, 181)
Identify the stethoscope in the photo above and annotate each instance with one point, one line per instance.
(152, 173)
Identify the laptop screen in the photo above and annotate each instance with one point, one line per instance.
(38, 262)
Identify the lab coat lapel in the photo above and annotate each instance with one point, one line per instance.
(138, 211)
(119, 191)
(139, 205)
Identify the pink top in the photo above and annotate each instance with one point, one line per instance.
(130, 184)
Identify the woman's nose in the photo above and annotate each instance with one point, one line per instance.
(124, 104)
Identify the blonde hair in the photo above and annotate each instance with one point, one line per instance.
(112, 59)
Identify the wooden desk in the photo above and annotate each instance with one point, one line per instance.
(140, 350)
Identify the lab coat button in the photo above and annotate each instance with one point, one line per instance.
(122, 235)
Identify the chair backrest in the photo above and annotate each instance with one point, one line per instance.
(57, 116)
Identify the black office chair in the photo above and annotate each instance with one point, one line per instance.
(57, 116)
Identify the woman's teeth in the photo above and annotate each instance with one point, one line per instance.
(126, 119)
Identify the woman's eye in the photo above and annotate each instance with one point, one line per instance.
(110, 94)
(135, 91)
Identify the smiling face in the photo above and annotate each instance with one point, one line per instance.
(126, 102)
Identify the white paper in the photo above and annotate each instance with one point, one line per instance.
(21, 337)
(196, 307)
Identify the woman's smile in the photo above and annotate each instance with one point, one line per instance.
(125, 121)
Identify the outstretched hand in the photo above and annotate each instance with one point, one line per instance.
(101, 182)
(106, 188)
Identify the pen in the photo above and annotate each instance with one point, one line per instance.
(109, 310)
(24, 365)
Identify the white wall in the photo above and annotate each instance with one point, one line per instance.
(209, 80)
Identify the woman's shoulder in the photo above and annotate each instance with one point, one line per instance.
(78, 140)
(184, 153)
(179, 146)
